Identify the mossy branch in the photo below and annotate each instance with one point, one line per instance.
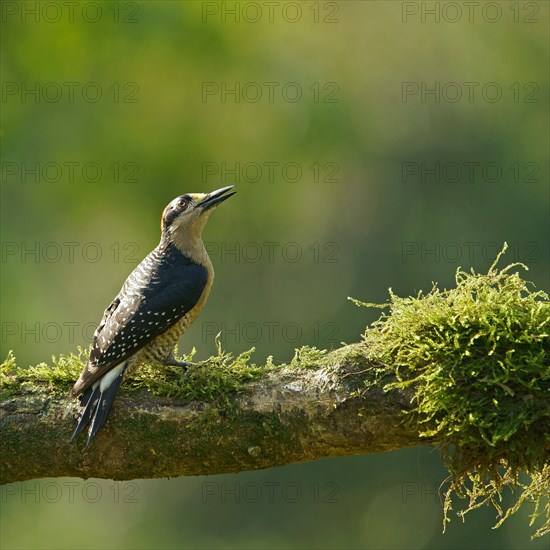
(304, 411)
(466, 370)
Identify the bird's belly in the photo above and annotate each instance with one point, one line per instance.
(162, 345)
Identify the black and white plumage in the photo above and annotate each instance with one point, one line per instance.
(158, 301)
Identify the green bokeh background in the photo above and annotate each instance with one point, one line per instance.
(360, 226)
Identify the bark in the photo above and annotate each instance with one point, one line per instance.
(286, 416)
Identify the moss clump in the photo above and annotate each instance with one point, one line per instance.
(211, 380)
(477, 359)
(308, 357)
(56, 378)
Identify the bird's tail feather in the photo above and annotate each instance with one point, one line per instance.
(88, 401)
(97, 402)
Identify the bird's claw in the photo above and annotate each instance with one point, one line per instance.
(182, 364)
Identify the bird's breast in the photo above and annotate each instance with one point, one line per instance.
(163, 344)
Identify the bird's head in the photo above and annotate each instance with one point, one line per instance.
(185, 216)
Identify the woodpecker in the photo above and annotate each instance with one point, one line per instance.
(155, 306)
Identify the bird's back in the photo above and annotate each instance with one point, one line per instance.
(162, 289)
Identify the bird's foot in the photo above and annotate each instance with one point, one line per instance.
(173, 362)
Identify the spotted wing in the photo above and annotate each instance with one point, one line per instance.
(147, 306)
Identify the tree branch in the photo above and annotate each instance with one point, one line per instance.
(285, 416)
(471, 364)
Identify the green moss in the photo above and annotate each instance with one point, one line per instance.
(211, 380)
(56, 378)
(477, 358)
(214, 379)
(308, 357)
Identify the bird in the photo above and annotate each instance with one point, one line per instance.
(158, 301)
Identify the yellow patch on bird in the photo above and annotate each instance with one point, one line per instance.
(197, 196)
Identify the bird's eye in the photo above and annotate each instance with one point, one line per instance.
(182, 204)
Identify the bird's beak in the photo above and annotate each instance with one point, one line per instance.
(215, 198)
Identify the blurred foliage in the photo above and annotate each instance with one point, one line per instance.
(360, 230)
